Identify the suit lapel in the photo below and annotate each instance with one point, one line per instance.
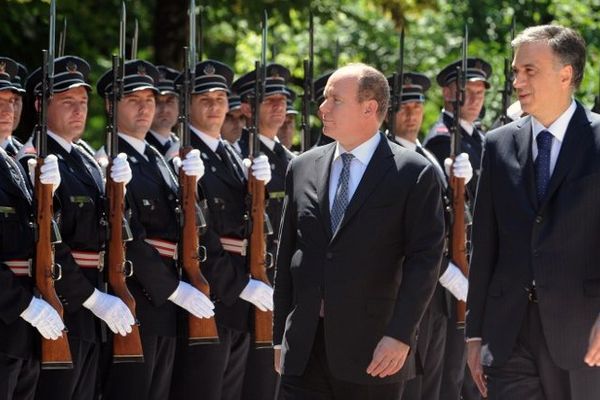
(570, 151)
(522, 139)
(323, 168)
(213, 163)
(382, 160)
(73, 164)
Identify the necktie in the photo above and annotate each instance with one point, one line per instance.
(228, 161)
(78, 153)
(10, 149)
(166, 146)
(341, 199)
(542, 163)
(279, 151)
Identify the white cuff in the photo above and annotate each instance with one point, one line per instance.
(92, 300)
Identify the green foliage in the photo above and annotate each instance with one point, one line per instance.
(362, 30)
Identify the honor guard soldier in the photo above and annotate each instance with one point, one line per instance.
(82, 223)
(438, 138)
(471, 142)
(20, 310)
(433, 327)
(154, 221)
(161, 134)
(260, 380)
(12, 145)
(288, 130)
(218, 370)
(235, 122)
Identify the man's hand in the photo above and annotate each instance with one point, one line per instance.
(389, 356)
(277, 360)
(474, 362)
(592, 357)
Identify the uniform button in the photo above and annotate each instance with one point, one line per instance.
(539, 219)
(536, 253)
(329, 256)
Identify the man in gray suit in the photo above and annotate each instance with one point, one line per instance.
(360, 247)
(534, 287)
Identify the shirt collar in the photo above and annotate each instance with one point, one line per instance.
(210, 141)
(468, 127)
(407, 143)
(62, 142)
(558, 129)
(6, 142)
(137, 144)
(161, 139)
(270, 143)
(363, 153)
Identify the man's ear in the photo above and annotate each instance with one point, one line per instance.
(566, 76)
(246, 110)
(371, 107)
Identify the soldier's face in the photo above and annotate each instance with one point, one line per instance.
(18, 110)
(67, 113)
(542, 83)
(409, 119)
(235, 121)
(474, 98)
(208, 110)
(272, 114)
(287, 131)
(167, 111)
(7, 112)
(136, 112)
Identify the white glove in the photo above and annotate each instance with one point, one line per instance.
(454, 280)
(44, 318)
(194, 301)
(192, 165)
(461, 167)
(49, 173)
(172, 152)
(101, 158)
(261, 169)
(111, 310)
(258, 293)
(121, 171)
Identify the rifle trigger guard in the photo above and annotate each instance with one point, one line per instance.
(202, 253)
(269, 260)
(127, 269)
(56, 272)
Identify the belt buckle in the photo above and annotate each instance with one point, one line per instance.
(101, 260)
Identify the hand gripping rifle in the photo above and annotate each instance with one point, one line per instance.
(263, 320)
(125, 348)
(308, 97)
(55, 353)
(397, 90)
(200, 330)
(458, 234)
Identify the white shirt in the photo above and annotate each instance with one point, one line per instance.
(408, 144)
(63, 143)
(6, 142)
(362, 156)
(270, 143)
(468, 127)
(558, 130)
(210, 141)
(137, 144)
(161, 139)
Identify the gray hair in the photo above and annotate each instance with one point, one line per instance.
(566, 44)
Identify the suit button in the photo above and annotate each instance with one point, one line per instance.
(539, 219)
(329, 256)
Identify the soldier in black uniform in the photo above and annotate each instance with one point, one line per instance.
(438, 142)
(261, 378)
(152, 198)
(20, 311)
(235, 121)
(12, 145)
(432, 330)
(82, 222)
(287, 131)
(218, 370)
(161, 135)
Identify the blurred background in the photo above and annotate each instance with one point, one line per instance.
(345, 31)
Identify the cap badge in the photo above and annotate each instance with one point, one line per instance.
(71, 67)
(209, 69)
(141, 70)
(2, 67)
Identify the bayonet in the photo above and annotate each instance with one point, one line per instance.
(308, 97)
(397, 89)
(62, 39)
(134, 41)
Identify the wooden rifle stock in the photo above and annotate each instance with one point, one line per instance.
(458, 244)
(125, 348)
(55, 353)
(200, 330)
(263, 320)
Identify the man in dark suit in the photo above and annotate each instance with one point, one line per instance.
(533, 330)
(360, 246)
(431, 343)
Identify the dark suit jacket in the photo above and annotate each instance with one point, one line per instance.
(376, 274)
(516, 240)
